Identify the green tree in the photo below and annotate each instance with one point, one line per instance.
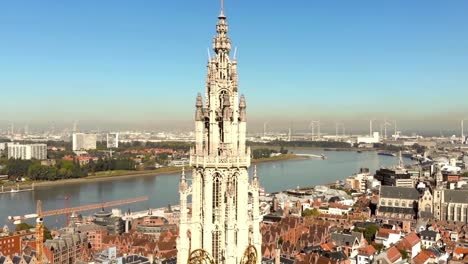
(262, 153)
(369, 232)
(47, 234)
(23, 226)
(404, 254)
(311, 212)
(378, 247)
(16, 168)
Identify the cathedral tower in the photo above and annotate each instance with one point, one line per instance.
(221, 223)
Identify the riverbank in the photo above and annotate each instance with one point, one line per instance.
(283, 157)
(111, 175)
(293, 150)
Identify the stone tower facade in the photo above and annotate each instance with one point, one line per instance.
(220, 222)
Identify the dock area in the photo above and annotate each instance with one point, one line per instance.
(12, 189)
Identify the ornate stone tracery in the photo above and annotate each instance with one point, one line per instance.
(220, 222)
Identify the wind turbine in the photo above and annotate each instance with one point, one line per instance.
(370, 127)
(462, 130)
(395, 129)
(462, 134)
(318, 127)
(385, 124)
(337, 128)
(311, 126)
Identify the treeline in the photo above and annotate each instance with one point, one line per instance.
(295, 144)
(175, 145)
(16, 169)
(266, 153)
(63, 169)
(33, 169)
(107, 164)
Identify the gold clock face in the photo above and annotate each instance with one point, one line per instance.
(200, 256)
(250, 255)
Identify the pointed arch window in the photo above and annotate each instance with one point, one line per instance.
(216, 245)
(217, 196)
(234, 186)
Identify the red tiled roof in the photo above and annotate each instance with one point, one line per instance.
(409, 241)
(393, 254)
(367, 251)
(384, 232)
(422, 257)
(460, 250)
(339, 206)
(328, 246)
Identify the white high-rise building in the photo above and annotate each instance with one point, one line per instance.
(112, 140)
(221, 226)
(370, 140)
(27, 152)
(5, 145)
(82, 141)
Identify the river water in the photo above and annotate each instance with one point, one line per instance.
(163, 189)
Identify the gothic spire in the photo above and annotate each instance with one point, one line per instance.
(221, 42)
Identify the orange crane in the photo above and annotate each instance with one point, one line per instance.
(39, 215)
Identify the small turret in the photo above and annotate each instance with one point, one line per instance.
(242, 107)
(242, 103)
(255, 181)
(199, 108)
(183, 186)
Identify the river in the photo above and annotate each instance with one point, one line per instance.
(163, 189)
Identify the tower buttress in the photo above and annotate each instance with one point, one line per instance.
(183, 243)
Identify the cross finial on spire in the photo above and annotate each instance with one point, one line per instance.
(222, 9)
(222, 6)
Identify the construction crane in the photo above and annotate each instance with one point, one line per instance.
(39, 215)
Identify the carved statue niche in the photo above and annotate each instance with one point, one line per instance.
(227, 111)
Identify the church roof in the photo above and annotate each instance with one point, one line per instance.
(396, 210)
(456, 196)
(399, 192)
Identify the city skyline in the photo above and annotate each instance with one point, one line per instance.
(107, 56)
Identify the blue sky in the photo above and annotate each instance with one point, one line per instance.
(144, 61)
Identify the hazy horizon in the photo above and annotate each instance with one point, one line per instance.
(354, 127)
(120, 65)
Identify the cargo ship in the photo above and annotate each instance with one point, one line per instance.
(385, 153)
